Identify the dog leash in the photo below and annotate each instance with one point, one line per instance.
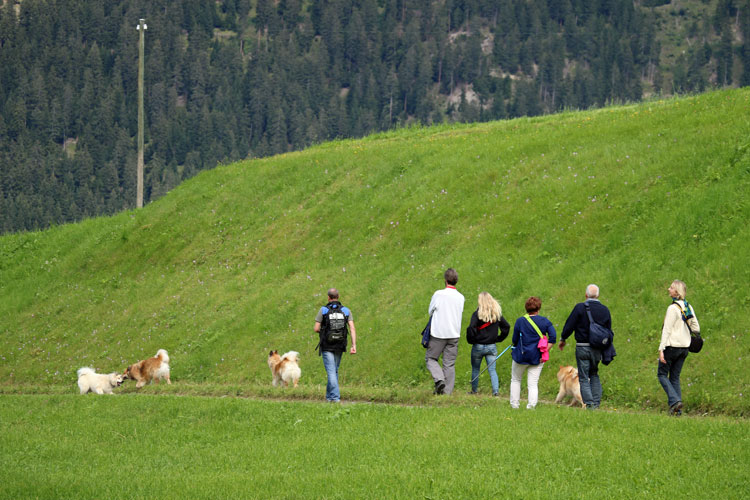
(493, 362)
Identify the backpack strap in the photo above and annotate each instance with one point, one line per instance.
(538, 331)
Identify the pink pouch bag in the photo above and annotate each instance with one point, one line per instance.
(543, 346)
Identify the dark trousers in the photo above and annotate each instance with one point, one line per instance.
(669, 373)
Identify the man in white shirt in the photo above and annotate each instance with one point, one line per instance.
(446, 308)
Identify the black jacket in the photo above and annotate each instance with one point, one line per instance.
(578, 320)
(488, 334)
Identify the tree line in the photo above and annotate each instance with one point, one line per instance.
(238, 79)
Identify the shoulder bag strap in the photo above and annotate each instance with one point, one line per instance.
(528, 318)
(588, 311)
(682, 315)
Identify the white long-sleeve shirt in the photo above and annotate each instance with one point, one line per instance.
(675, 332)
(446, 308)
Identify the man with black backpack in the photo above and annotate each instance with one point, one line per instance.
(332, 324)
(588, 356)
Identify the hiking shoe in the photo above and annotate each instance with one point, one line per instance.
(439, 387)
(676, 409)
(473, 393)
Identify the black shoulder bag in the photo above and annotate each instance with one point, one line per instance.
(696, 341)
(600, 337)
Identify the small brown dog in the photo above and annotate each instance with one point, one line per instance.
(156, 368)
(569, 385)
(284, 368)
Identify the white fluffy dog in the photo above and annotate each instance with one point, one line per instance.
(89, 380)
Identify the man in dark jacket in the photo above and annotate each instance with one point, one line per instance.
(587, 357)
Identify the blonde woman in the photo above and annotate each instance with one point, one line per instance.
(486, 328)
(673, 348)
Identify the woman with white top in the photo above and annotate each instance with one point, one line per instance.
(673, 348)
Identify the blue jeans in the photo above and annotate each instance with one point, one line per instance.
(331, 362)
(487, 352)
(588, 360)
(669, 373)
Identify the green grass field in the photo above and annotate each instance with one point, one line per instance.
(237, 261)
(137, 446)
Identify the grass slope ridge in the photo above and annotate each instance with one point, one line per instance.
(237, 260)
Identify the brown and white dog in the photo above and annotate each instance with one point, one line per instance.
(284, 368)
(569, 385)
(156, 368)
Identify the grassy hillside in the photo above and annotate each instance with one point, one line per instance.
(237, 260)
(233, 448)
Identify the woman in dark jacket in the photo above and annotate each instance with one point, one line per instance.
(486, 328)
(527, 332)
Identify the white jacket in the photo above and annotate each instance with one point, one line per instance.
(446, 308)
(675, 332)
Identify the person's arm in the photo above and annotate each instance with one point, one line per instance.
(568, 328)
(353, 335)
(504, 329)
(318, 321)
(551, 334)
(433, 305)
(608, 322)
(570, 324)
(471, 330)
(669, 319)
(516, 333)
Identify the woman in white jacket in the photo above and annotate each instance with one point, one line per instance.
(673, 348)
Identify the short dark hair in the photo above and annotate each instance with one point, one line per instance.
(333, 293)
(533, 304)
(451, 276)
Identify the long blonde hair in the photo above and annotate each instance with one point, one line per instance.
(489, 310)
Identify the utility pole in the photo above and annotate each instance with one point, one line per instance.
(139, 197)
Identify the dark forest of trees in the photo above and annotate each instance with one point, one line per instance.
(235, 79)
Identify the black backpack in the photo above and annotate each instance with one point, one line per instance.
(600, 337)
(334, 327)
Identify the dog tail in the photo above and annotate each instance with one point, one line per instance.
(85, 371)
(292, 355)
(162, 354)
